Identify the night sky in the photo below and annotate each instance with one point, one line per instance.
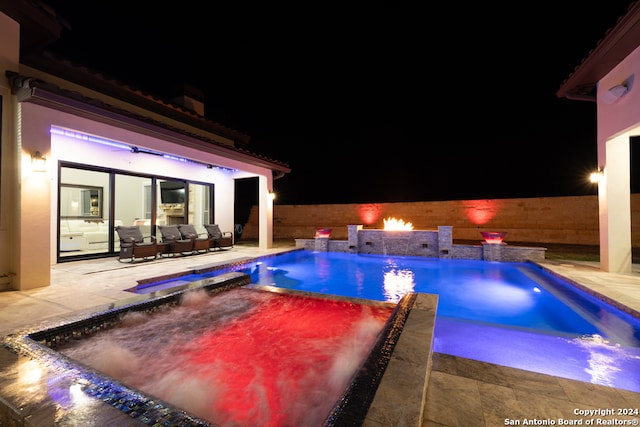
(375, 102)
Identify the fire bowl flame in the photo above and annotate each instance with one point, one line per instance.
(393, 224)
(493, 236)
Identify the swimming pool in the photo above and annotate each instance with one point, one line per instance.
(511, 314)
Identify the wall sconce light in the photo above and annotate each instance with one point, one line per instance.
(615, 93)
(272, 195)
(38, 162)
(596, 176)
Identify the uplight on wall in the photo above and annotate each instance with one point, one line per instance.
(596, 176)
(38, 162)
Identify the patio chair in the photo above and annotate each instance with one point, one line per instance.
(200, 244)
(217, 238)
(175, 243)
(133, 245)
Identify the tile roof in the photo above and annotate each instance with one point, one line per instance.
(34, 89)
(40, 25)
(616, 45)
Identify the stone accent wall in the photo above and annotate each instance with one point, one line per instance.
(569, 220)
(415, 243)
(431, 244)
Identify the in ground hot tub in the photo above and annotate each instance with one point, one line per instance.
(224, 352)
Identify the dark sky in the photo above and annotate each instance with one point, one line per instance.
(374, 102)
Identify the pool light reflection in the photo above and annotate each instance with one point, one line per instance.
(398, 283)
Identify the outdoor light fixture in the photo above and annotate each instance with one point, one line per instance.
(596, 176)
(272, 195)
(615, 93)
(145, 151)
(38, 162)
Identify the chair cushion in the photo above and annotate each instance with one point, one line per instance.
(187, 231)
(170, 232)
(213, 230)
(128, 233)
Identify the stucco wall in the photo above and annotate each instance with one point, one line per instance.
(570, 220)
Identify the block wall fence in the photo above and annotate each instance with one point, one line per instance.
(566, 220)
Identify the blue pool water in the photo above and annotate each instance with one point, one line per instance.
(511, 314)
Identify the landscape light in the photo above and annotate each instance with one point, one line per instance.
(596, 176)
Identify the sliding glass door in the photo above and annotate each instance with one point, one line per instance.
(92, 203)
(200, 206)
(133, 197)
(84, 206)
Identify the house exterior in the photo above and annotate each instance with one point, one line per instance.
(82, 153)
(607, 77)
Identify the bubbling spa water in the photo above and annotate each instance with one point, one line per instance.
(243, 357)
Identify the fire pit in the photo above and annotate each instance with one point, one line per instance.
(495, 237)
(323, 232)
(393, 224)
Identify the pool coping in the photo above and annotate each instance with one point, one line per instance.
(611, 301)
(401, 397)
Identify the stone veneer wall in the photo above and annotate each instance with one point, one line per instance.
(432, 244)
(569, 220)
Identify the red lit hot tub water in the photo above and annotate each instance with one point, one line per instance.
(242, 357)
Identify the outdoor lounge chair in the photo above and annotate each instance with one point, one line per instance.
(218, 239)
(175, 243)
(133, 245)
(200, 244)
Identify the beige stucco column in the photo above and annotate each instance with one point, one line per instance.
(615, 208)
(33, 195)
(265, 208)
